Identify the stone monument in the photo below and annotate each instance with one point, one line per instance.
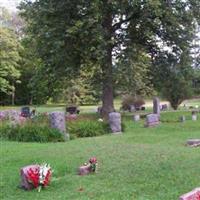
(115, 122)
(193, 142)
(57, 120)
(152, 120)
(136, 118)
(156, 106)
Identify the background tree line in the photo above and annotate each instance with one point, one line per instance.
(83, 52)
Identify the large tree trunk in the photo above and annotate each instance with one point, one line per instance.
(107, 97)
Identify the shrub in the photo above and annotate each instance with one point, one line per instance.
(30, 133)
(88, 128)
(129, 100)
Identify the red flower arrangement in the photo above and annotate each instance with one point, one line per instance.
(39, 177)
(93, 163)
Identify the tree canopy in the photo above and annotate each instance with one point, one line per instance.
(71, 34)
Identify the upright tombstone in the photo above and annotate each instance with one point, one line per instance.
(57, 120)
(193, 195)
(115, 122)
(182, 118)
(25, 111)
(132, 108)
(152, 120)
(156, 106)
(136, 118)
(194, 115)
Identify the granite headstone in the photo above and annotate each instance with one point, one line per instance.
(115, 122)
(57, 120)
(152, 120)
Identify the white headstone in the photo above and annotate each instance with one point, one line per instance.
(136, 118)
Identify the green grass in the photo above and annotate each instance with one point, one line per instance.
(141, 164)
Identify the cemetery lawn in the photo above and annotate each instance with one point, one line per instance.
(141, 164)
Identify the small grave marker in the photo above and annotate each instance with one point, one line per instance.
(152, 120)
(193, 142)
(182, 118)
(136, 118)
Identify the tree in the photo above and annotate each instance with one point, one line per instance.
(9, 56)
(72, 33)
(174, 77)
(133, 76)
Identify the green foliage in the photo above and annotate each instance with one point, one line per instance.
(133, 76)
(30, 133)
(9, 56)
(174, 77)
(88, 128)
(70, 34)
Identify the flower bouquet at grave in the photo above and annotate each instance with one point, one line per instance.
(39, 177)
(93, 164)
(88, 168)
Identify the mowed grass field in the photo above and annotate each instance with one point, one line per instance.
(141, 164)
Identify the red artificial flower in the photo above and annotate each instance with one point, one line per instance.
(93, 160)
(33, 177)
(47, 178)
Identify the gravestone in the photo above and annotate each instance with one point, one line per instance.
(194, 115)
(25, 111)
(115, 122)
(182, 118)
(193, 195)
(24, 176)
(132, 108)
(152, 120)
(163, 107)
(193, 142)
(72, 110)
(136, 118)
(57, 120)
(84, 170)
(156, 106)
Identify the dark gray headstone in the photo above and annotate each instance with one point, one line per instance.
(25, 111)
(24, 176)
(115, 122)
(57, 120)
(156, 106)
(152, 120)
